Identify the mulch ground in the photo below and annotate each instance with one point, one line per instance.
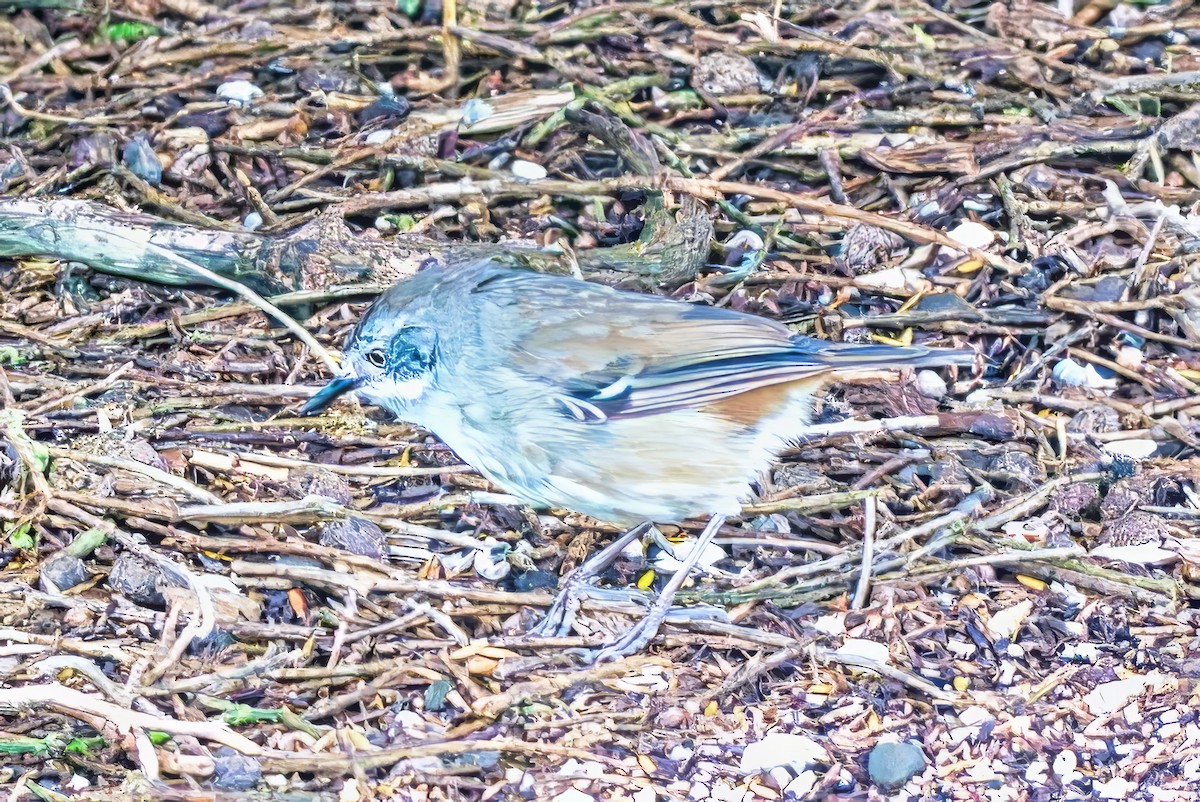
(979, 584)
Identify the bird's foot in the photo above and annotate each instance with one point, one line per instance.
(560, 618)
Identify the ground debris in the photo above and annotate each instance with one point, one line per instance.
(978, 581)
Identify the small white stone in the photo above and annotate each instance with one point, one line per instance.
(961, 649)
(1168, 731)
(975, 715)
(645, 795)
(380, 136)
(530, 171)
(745, 240)
(1141, 554)
(802, 786)
(680, 753)
(1080, 652)
(77, 783)
(1037, 772)
(488, 568)
(778, 778)
(1064, 765)
(1071, 595)
(1116, 788)
(411, 723)
(724, 791)
(958, 735)
(972, 234)
(931, 385)
(476, 111)
(699, 791)
(863, 649)
(252, 221)
(1109, 697)
(238, 92)
(711, 555)
(781, 749)
(1130, 357)
(1168, 716)
(581, 768)
(832, 624)
(1069, 373)
(904, 279)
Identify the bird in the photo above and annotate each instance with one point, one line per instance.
(631, 408)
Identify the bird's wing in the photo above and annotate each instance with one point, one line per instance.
(612, 354)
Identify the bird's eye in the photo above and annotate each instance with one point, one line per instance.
(377, 358)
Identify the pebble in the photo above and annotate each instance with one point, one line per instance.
(476, 111)
(1116, 788)
(380, 136)
(645, 795)
(1109, 697)
(782, 749)
(355, 535)
(62, 571)
(891, 764)
(711, 555)
(1142, 448)
(235, 771)
(491, 563)
(972, 234)
(573, 795)
(778, 778)
(863, 649)
(1080, 652)
(801, 786)
(141, 160)
(931, 385)
(527, 170)
(238, 92)
(1064, 766)
(1069, 373)
(137, 579)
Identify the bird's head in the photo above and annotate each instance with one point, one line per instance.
(392, 355)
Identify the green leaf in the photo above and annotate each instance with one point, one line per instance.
(158, 738)
(130, 31)
(22, 745)
(11, 356)
(924, 40)
(41, 455)
(81, 746)
(408, 8)
(435, 695)
(401, 222)
(1123, 106)
(20, 536)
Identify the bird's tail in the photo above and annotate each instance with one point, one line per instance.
(852, 357)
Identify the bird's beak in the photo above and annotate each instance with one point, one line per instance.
(326, 395)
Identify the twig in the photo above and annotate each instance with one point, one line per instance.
(868, 555)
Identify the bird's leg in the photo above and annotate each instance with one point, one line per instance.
(644, 631)
(561, 616)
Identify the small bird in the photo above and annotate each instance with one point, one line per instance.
(630, 408)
